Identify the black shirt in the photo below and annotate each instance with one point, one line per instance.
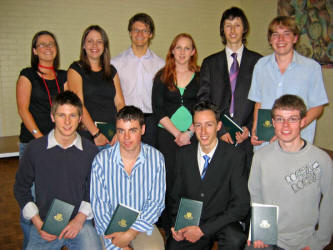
(39, 105)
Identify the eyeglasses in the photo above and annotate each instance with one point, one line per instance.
(46, 45)
(142, 31)
(292, 119)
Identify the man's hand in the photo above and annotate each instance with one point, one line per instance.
(122, 239)
(177, 235)
(306, 248)
(227, 138)
(240, 137)
(257, 244)
(114, 140)
(38, 223)
(273, 139)
(254, 139)
(191, 233)
(73, 227)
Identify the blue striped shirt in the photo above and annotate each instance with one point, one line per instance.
(143, 189)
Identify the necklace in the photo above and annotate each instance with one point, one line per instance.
(55, 77)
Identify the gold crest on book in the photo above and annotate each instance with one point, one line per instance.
(122, 223)
(188, 216)
(267, 124)
(58, 217)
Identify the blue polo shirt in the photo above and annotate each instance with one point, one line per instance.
(303, 78)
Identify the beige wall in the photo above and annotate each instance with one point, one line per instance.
(21, 19)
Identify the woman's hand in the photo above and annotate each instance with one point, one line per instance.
(183, 139)
(101, 140)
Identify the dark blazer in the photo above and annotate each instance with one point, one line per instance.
(223, 191)
(215, 85)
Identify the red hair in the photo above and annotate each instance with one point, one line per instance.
(169, 75)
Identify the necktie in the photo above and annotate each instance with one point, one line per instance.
(233, 78)
(206, 158)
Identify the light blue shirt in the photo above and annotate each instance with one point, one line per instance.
(143, 189)
(136, 77)
(303, 78)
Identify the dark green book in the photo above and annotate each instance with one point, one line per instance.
(265, 129)
(107, 129)
(122, 219)
(264, 223)
(231, 126)
(57, 217)
(189, 213)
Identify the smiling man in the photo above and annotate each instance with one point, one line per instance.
(287, 72)
(296, 176)
(137, 67)
(59, 164)
(130, 173)
(214, 172)
(225, 78)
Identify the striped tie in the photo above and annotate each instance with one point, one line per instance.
(206, 158)
(233, 78)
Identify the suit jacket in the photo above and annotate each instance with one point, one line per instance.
(223, 191)
(215, 85)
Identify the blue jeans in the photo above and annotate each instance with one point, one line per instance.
(87, 239)
(26, 225)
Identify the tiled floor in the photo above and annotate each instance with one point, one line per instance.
(10, 231)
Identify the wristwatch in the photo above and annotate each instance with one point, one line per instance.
(190, 132)
(34, 131)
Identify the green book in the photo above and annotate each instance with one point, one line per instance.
(265, 129)
(57, 217)
(122, 219)
(264, 223)
(189, 213)
(107, 129)
(231, 126)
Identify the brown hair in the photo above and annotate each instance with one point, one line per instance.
(104, 58)
(34, 58)
(290, 102)
(285, 21)
(168, 73)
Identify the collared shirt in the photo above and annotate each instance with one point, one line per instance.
(136, 77)
(230, 59)
(200, 154)
(52, 142)
(143, 189)
(303, 77)
(30, 209)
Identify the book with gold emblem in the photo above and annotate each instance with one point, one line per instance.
(107, 129)
(122, 219)
(265, 129)
(264, 223)
(57, 217)
(189, 213)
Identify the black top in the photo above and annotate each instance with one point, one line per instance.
(166, 102)
(58, 173)
(98, 93)
(39, 105)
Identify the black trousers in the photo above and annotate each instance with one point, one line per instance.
(149, 136)
(230, 237)
(167, 146)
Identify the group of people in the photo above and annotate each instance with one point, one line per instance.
(153, 160)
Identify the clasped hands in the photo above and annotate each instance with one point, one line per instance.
(190, 233)
(240, 137)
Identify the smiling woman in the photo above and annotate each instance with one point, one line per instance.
(97, 84)
(35, 88)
